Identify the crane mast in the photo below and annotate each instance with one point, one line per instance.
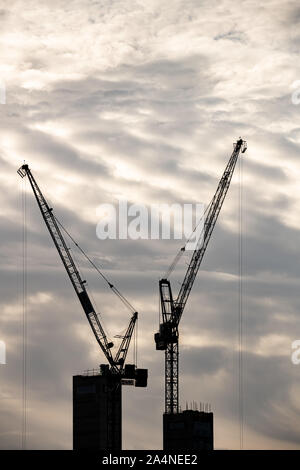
(172, 309)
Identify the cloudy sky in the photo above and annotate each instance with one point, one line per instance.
(142, 100)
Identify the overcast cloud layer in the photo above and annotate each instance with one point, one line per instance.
(142, 100)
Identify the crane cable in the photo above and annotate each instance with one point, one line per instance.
(135, 344)
(112, 287)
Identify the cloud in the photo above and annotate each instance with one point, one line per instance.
(143, 101)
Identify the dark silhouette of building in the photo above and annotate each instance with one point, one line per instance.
(188, 430)
(97, 412)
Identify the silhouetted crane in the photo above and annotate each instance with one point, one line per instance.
(116, 368)
(172, 309)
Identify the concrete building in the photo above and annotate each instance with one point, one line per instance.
(97, 411)
(188, 430)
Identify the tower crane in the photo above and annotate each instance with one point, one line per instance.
(116, 368)
(167, 338)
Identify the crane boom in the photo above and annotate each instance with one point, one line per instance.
(124, 346)
(116, 363)
(172, 309)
